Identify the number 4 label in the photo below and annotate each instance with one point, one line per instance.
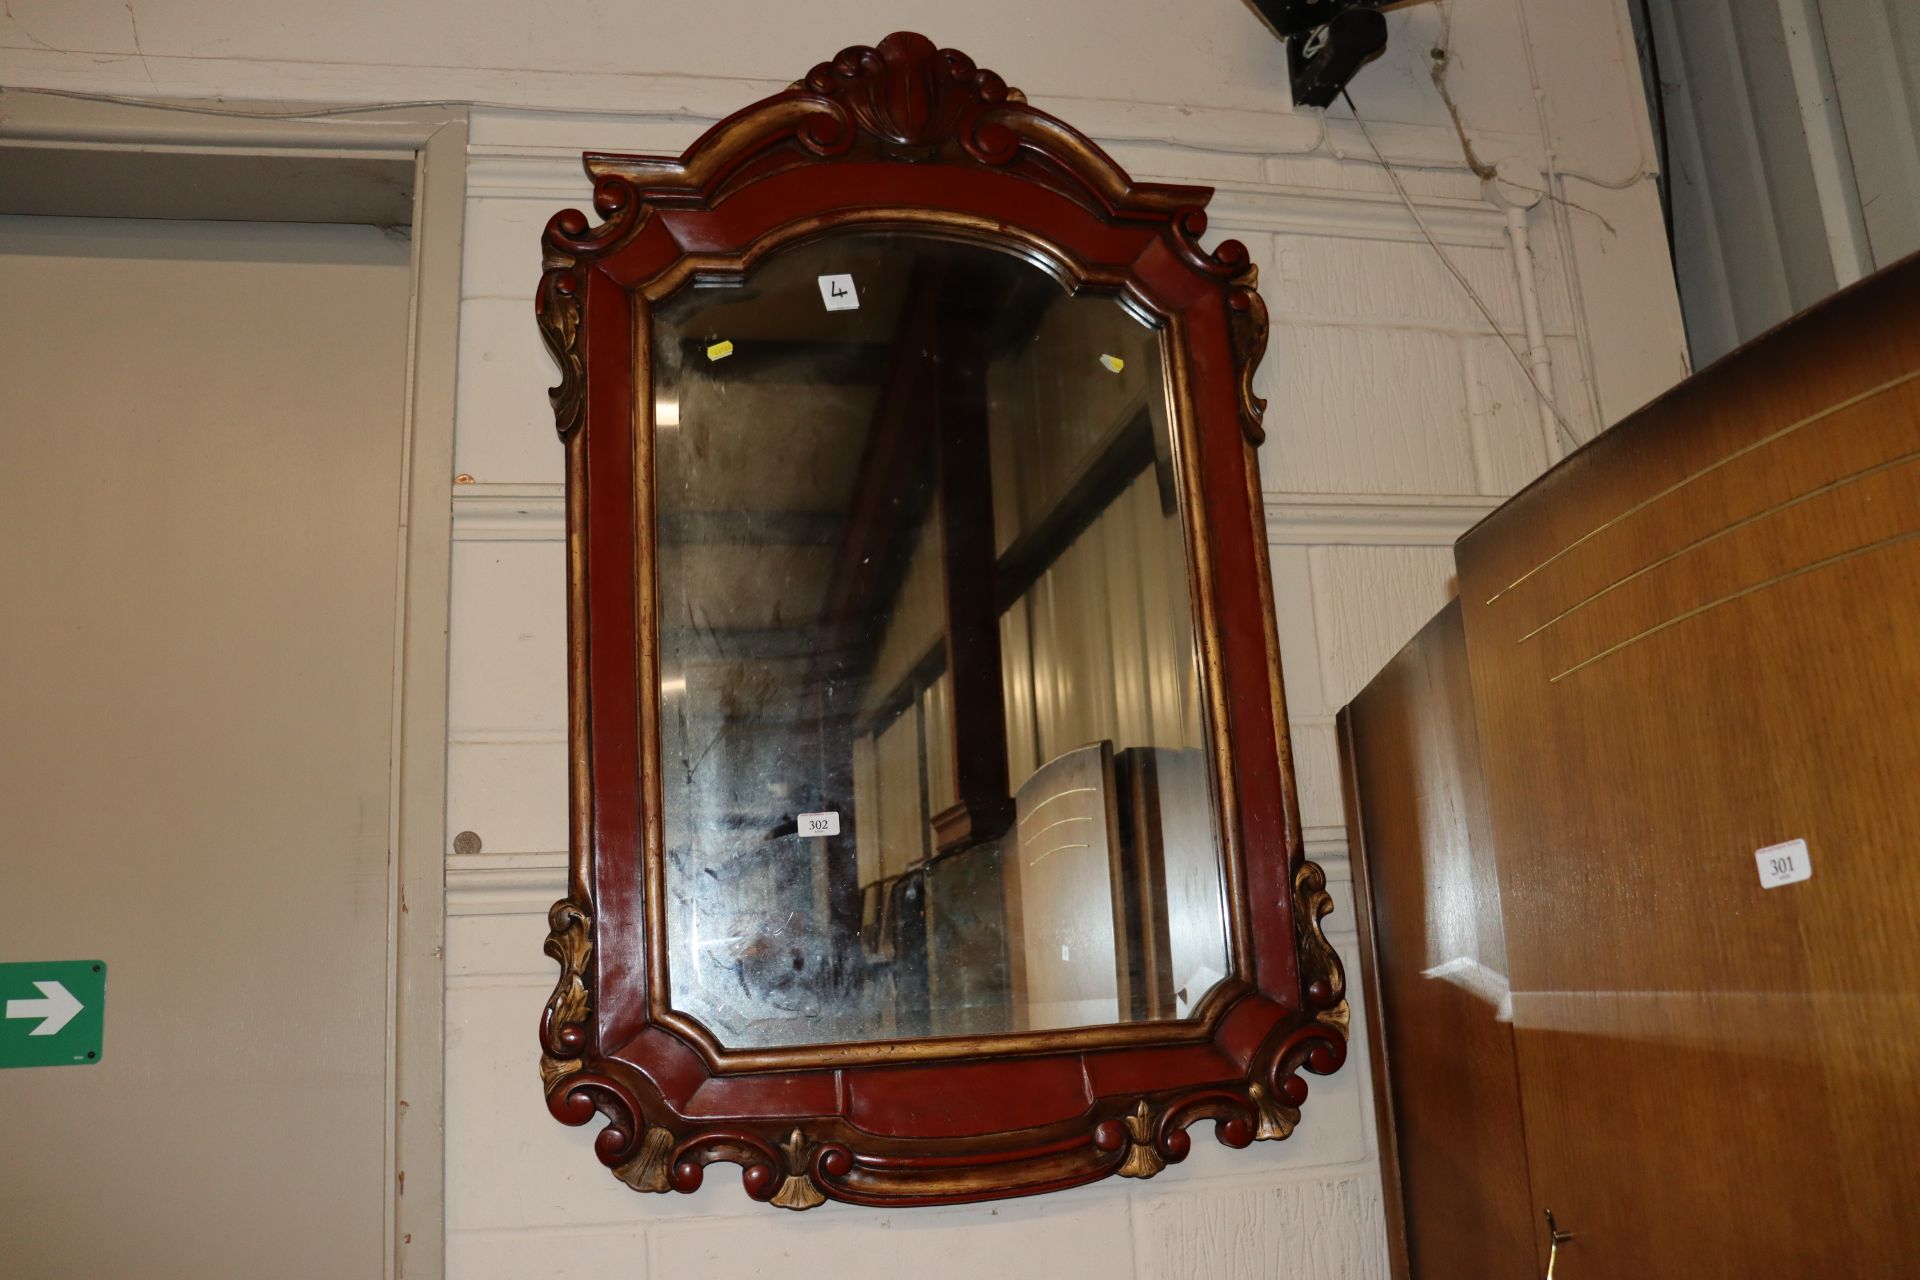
(838, 293)
(1786, 863)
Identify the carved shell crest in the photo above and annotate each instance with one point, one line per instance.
(907, 92)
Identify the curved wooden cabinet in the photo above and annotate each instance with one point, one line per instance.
(1638, 815)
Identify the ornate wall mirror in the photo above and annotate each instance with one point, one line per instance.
(934, 835)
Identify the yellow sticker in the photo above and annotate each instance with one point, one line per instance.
(1114, 363)
(720, 350)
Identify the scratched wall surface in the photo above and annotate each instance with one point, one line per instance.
(1397, 417)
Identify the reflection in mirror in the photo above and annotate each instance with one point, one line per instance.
(933, 752)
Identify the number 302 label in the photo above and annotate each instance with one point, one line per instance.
(819, 824)
(1784, 864)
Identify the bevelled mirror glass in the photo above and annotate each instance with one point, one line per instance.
(934, 756)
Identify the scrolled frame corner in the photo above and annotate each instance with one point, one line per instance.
(1232, 264)
(564, 1021)
(1247, 327)
(570, 244)
(1323, 980)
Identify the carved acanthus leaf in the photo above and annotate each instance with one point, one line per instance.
(568, 245)
(563, 1028)
(1277, 1120)
(1339, 1018)
(1322, 978)
(557, 309)
(798, 1191)
(553, 1070)
(1247, 329)
(1143, 1159)
(648, 1170)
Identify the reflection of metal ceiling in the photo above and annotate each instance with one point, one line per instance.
(777, 429)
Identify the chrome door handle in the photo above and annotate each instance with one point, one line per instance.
(1555, 1238)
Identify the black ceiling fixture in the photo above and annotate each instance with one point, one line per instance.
(1327, 41)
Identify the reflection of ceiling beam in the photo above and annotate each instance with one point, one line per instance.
(1127, 452)
(984, 806)
(924, 672)
(873, 555)
(756, 528)
(954, 312)
(868, 566)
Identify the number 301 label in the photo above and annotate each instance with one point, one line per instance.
(1784, 864)
(819, 824)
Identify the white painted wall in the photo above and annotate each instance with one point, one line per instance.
(1397, 418)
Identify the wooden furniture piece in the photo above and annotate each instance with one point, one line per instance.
(910, 446)
(1445, 1085)
(1637, 818)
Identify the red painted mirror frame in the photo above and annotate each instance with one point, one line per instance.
(908, 137)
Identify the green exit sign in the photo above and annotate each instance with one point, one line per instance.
(52, 1013)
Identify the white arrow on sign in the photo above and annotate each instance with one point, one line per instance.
(55, 1009)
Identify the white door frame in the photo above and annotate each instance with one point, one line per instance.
(241, 158)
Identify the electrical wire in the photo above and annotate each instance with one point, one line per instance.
(1611, 184)
(313, 113)
(1513, 350)
(185, 108)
